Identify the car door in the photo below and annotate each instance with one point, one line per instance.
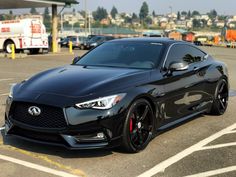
(183, 90)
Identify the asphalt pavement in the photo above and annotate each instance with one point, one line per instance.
(202, 146)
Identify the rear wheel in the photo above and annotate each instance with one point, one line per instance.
(34, 51)
(8, 46)
(138, 127)
(221, 97)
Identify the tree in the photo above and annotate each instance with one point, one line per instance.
(148, 20)
(144, 11)
(33, 11)
(195, 13)
(128, 20)
(189, 14)
(184, 13)
(47, 18)
(204, 22)
(153, 13)
(178, 15)
(114, 11)
(212, 14)
(196, 23)
(100, 14)
(134, 16)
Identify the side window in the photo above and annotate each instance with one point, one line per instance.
(182, 52)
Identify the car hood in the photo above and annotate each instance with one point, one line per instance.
(80, 81)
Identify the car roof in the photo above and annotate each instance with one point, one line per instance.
(163, 40)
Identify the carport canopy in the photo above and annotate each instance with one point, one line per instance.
(18, 4)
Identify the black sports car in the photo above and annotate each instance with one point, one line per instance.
(120, 93)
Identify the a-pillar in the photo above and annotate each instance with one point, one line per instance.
(54, 28)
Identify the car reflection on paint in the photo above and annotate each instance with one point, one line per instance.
(118, 94)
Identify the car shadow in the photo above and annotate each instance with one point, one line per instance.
(53, 150)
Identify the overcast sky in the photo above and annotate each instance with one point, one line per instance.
(162, 6)
(224, 7)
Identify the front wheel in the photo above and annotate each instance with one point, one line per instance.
(138, 127)
(221, 97)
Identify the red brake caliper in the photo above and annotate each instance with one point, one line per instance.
(131, 124)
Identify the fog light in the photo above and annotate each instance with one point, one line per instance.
(100, 135)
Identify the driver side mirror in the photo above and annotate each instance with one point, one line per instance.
(178, 66)
(75, 60)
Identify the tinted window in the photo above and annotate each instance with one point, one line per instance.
(124, 54)
(181, 52)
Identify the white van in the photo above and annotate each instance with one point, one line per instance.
(25, 34)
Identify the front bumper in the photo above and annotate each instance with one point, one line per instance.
(69, 139)
(84, 129)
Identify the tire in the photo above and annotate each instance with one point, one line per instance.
(34, 51)
(7, 46)
(138, 127)
(220, 101)
(82, 47)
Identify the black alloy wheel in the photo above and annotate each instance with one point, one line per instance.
(220, 101)
(139, 126)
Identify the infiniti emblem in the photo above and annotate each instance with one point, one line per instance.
(34, 111)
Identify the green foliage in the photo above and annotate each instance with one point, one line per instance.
(144, 11)
(47, 19)
(212, 14)
(33, 11)
(114, 11)
(178, 15)
(134, 16)
(100, 14)
(189, 14)
(184, 13)
(153, 13)
(196, 23)
(195, 13)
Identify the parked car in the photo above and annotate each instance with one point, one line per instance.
(64, 42)
(119, 94)
(97, 40)
(77, 41)
(197, 43)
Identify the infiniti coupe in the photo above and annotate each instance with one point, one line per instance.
(120, 93)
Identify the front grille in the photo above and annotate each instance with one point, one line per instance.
(50, 117)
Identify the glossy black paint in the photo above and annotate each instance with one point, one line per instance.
(173, 95)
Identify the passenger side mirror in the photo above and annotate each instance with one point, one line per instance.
(178, 66)
(75, 60)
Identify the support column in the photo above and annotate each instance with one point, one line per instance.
(54, 28)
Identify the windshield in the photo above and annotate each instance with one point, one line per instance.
(143, 55)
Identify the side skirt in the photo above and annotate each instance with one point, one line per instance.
(180, 120)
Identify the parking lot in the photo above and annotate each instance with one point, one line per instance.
(202, 146)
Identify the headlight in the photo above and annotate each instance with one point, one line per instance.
(102, 103)
(11, 90)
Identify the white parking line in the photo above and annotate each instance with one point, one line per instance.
(196, 147)
(7, 79)
(4, 94)
(36, 167)
(218, 146)
(2, 128)
(214, 172)
(233, 131)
